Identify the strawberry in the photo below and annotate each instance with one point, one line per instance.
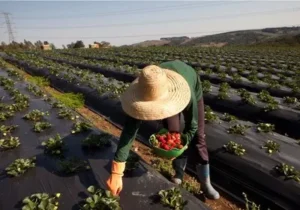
(179, 146)
(160, 138)
(166, 147)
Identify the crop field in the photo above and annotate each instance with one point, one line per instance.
(252, 115)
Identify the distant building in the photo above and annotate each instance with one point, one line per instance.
(94, 46)
(46, 47)
(100, 45)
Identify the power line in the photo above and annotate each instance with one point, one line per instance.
(130, 12)
(160, 22)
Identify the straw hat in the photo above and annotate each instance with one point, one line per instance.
(156, 94)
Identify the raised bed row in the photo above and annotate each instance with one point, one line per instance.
(287, 120)
(47, 175)
(139, 61)
(279, 90)
(250, 173)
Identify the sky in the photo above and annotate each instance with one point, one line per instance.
(128, 22)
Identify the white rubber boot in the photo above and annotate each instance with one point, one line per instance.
(203, 175)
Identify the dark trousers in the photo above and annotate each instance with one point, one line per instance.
(197, 150)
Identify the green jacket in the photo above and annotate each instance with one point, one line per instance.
(190, 112)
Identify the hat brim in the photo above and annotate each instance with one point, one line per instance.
(175, 101)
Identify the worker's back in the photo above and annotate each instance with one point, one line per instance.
(188, 73)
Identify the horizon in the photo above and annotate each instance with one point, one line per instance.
(61, 20)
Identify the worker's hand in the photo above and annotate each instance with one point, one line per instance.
(115, 182)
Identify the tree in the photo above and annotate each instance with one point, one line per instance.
(46, 42)
(28, 45)
(63, 46)
(38, 44)
(102, 44)
(52, 46)
(69, 46)
(105, 44)
(79, 44)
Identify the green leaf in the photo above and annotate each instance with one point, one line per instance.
(163, 131)
(91, 189)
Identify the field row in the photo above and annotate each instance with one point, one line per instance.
(262, 77)
(246, 145)
(55, 159)
(284, 112)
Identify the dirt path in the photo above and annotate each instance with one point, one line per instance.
(223, 203)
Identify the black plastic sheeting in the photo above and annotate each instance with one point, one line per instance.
(193, 64)
(287, 121)
(118, 74)
(278, 92)
(140, 186)
(251, 173)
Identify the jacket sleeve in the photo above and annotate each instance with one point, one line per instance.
(126, 139)
(191, 119)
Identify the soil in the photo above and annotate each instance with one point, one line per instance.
(224, 203)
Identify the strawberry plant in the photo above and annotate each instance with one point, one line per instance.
(234, 148)
(35, 90)
(265, 127)
(6, 83)
(6, 115)
(289, 172)
(265, 96)
(271, 147)
(79, 127)
(54, 145)
(101, 199)
(58, 105)
(206, 86)
(238, 129)
(41, 201)
(18, 106)
(35, 115)
(14, 73)
(250, 205)
(172, 198)
(236, 77)
(246, 97)
(223, 91)
(94, 141)
(290, 100)
(41, 126)
(210, 116)
(9, 143)
(163, 166)
(7, 129)
(271, 106)
(191, 186)
(73, 165)
(67, 114)
(253, 78)
(20, 166)
(229, 118)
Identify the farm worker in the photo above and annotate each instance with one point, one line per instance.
(162, 93)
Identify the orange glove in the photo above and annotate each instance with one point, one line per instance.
(115, 183)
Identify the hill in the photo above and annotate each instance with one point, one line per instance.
(275, 36)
